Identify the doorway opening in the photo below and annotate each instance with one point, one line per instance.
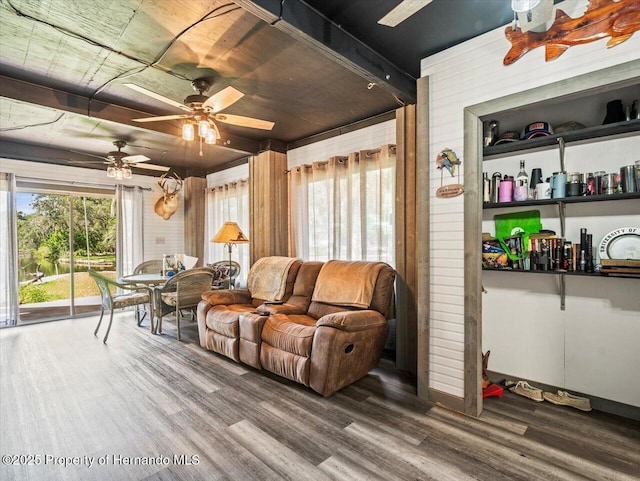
(61, 234)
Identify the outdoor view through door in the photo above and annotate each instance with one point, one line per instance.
(59, 236)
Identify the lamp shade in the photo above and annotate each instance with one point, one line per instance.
(230, 233)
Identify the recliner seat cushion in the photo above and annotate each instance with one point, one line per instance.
(223, 320)
(282, 333)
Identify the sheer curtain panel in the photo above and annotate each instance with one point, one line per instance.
(8, 251)
(343, 208)
(129, 230)
(228, 202)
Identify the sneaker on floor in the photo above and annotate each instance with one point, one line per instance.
(523, 388)
(565, 399)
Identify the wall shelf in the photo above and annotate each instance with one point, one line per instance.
(551, 141)
(566, 273)
(565, 200)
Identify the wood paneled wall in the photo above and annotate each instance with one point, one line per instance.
(194, 213)
(268, 205)
(406, 243)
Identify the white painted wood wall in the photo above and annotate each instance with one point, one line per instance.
(160, 236)
(370, 137)
(592, 347)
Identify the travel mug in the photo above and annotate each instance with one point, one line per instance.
(608, 184)
(536, 178)
(543, 191)
(496, 180)
(575, 189)
(520, 192)
(628, 178)
(598, 182)
(506, 190)
(558, 181)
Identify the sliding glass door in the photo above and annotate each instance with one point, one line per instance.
(60, 235)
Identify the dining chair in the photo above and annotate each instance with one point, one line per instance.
(135, 296)
(182, 291)
(223, 277)
(153, 266)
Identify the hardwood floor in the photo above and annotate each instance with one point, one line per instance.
(143, 398)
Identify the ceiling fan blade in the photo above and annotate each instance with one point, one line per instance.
(150, 167)
(134, 159)
(403, 11)
(223, 99)
(156, 96)
(162, 117)
(244, 121)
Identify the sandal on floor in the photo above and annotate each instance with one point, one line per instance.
(523, 388)
(565, 399)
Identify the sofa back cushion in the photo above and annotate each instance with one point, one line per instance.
(272, 278)
(351, 285)
(304, 285)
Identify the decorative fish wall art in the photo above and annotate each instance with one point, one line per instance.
(603, 18)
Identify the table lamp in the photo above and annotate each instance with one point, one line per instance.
(230, 234)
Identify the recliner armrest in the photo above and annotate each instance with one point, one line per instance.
(353, 320)
(280, 309)
(226, 297)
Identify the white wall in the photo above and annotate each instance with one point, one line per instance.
(592, 346)
(370, 137)
(233, 174)
(160, 236)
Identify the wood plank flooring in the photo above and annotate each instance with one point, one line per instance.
(176, 412)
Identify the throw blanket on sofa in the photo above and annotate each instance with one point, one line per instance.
(268, 277)
(347, 283)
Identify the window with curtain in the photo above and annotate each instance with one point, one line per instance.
(228, 202)
(343, 208)
(130, 219)
(8, 251)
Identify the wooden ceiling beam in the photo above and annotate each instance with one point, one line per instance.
(78, 104)
(307, 25)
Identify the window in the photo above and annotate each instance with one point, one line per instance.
(343, 208)
(229, 202)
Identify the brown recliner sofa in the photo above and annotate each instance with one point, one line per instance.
(327, 333)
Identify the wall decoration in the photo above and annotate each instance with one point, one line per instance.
(603, 18)
(447, 159)
(168, 203)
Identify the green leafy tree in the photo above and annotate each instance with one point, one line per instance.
(46, 229)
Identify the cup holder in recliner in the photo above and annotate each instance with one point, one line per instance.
(348, 349)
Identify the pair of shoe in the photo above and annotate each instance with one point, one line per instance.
(563, 398)
(523, 388)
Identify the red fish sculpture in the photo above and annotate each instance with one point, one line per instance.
(603, 18)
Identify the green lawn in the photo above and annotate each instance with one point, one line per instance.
(60, 288)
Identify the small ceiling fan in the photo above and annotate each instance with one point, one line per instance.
(200, 107)
(402, 11)
(119, 163)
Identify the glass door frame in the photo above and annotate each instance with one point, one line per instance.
(71, 192)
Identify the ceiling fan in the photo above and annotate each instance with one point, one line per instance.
(403, 11)
(119, 163)
(203, 109)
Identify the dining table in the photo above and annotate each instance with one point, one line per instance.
(150, 281)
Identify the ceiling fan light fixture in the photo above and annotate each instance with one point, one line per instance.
(188, 132)
(111, 171)
(203, 128)
(126, 170)
(211, 137)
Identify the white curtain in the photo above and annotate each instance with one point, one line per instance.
(129, 237)
(343, 208)
(228, 203)
(8, 251)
